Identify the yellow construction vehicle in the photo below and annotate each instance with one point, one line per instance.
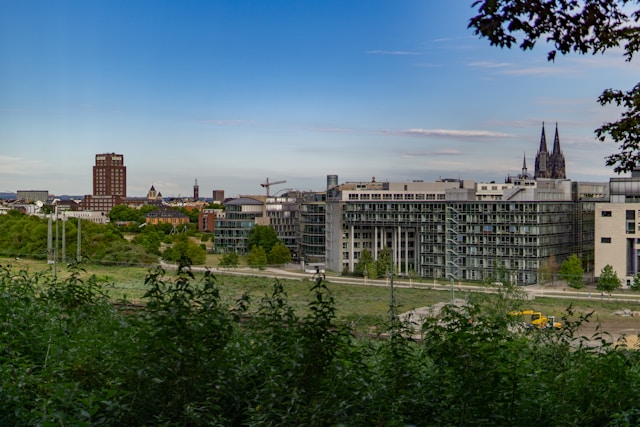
(537, 319)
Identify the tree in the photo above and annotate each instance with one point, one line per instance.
(548, 269)
(229, 260)
(264, 236)
(383, 262)
(581, 27)
(257, 257)
(279, 254)
(608, 280)
(635, 285)
(364, 263)
(182, 248)
(571, 271)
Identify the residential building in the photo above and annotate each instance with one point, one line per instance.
(241, 216)
(218, 196)
(617, 228)
(284, 217)
(207, 219)
(31, 196)
(440, 230)
(95, 217)
(166, 216)
(312, 216)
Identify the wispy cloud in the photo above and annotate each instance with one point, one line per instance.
(331, 130)
(441, 152)
(391, 52)
(20, 166)
(427, 65)
(513, 69)
(227, 122)
(453, 39)
(538, 71)
(490, 64)
(449, 133)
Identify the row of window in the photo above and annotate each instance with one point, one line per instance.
(396, 196)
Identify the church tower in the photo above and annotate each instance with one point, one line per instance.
(557, 159)
(543, 159)
(524, 174)
(196, 191)
(152, 194)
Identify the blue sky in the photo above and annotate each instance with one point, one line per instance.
(232, 92)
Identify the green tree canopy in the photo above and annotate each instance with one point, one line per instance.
(571, 270)
(608, 280)
(575, 26)
(279, 254)
(229, 260)
(262, 236)
(184, 248)
(365, 265)
(257, 257)
(127, 213)
(383, 262)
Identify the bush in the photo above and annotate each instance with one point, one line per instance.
(69, 357)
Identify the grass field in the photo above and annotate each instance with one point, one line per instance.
(363, 306)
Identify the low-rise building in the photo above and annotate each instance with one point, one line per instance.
(617, 229)
(166, 216)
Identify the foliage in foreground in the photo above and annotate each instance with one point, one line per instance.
(582, 27)
(68, 356)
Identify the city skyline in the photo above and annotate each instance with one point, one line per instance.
(230, 94)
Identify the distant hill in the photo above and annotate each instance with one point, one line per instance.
(13, 196)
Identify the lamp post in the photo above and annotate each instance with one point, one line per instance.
(55, 247)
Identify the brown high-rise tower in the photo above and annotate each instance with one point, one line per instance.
(110, 175)
(550, 165)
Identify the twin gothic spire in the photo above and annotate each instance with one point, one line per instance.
(550, 165)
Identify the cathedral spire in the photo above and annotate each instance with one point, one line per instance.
(543, 161)
(543, 141)
(556, 143)
(557, 159)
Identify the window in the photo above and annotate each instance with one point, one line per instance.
(605, 240)
(606, 213)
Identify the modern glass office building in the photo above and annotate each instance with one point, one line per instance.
(438, 230)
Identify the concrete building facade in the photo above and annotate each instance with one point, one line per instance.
(31, 196)
(617, 229)
(439, 230)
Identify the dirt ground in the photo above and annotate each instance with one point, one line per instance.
(616, 326)
(604, 319)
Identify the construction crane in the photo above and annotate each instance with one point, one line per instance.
(268, 184)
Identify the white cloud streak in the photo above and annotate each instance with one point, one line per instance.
(391, 52)
(449, 133)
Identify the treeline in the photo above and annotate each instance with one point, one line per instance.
(190, 358)
(27, 236)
